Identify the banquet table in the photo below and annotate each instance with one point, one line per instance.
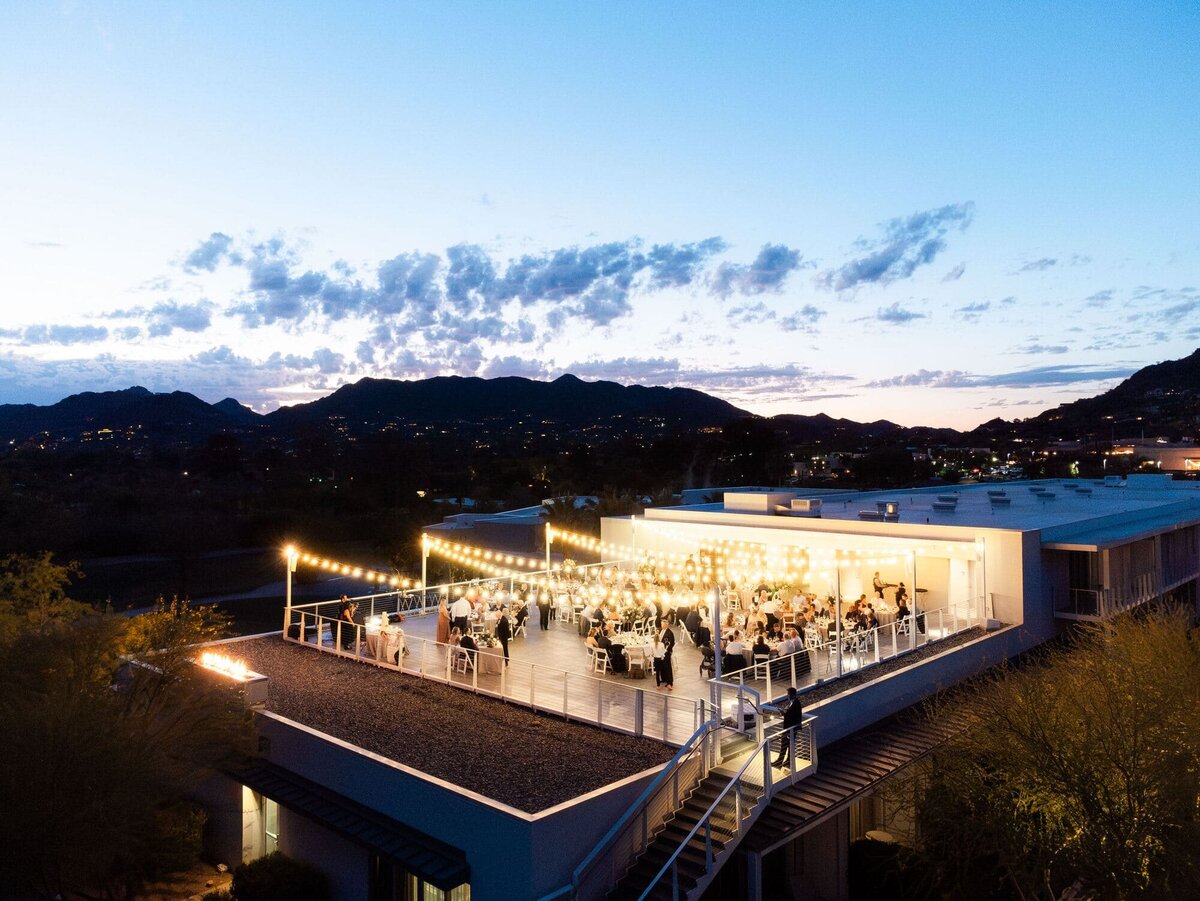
(489, 661)
(638, 648)
(384, 645)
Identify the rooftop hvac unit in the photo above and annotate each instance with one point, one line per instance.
(811, 506)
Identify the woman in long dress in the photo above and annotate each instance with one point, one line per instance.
(443, 623)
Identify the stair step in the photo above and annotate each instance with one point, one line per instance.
(640, 877)
(693, 853)
(673, 836)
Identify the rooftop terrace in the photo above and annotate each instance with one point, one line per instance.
(502, 751)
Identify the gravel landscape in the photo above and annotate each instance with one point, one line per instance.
(505, 752)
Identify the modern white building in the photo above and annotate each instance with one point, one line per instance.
(995, 569)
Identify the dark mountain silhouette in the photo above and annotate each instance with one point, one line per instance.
(170, 416)
(1160, 399)
(567, 400)
(237, 411)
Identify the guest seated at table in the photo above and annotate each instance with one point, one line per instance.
(692, 624)
(735, 653)
(592, 636)
(617, 660)
(520, 615)
(777, 633)
(760, 645)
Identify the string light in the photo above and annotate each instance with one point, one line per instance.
(356, 572)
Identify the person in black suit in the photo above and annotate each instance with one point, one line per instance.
(543, 605)
(664, 644)
(692, 624)
(791, 717)
(504, 631)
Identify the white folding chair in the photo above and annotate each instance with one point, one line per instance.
(599, 660)
(464, 661)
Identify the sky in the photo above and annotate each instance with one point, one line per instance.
(930, 213)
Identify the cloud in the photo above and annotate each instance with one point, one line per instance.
(803, 320)
(1038, 377)
(514, 365)
(907, 244)
(164, 318)
(416, 291)
(1039, 265)
(749, 314)
(1035, 348)
(63, 334)
(972, 312)
(209, 253)
(1099, 298)
(767, 272)
(955, 274)
(897, 315)
(1044, 263)
(45, 245)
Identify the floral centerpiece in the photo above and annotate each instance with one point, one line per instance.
(632, 614)
(486, 640)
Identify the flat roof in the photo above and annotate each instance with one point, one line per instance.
(1060, 508)
(481, 744)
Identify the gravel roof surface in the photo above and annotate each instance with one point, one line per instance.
(509, 753)
(871, 673)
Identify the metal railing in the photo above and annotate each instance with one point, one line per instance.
(1104, 603)
(732, 813)
(629, 837)
(859, 649)
(582, 697)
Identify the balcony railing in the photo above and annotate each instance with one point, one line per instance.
(1105, 603)
(586, 698)
(858, 650)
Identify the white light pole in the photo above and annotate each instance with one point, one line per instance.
(424, 565)
(291, 556)
(549, 538)
(716, 640)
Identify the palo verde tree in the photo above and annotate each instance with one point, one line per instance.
(1077, 775)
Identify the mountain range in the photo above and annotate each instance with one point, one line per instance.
(1163, 398)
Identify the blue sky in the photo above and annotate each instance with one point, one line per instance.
(931, 213)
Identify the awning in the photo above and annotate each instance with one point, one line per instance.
(433, 861)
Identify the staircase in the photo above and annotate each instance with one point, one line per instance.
(682, 859)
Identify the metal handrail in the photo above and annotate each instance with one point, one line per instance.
(941, 614)
(541, 696)
(763, 747)
(700, 741)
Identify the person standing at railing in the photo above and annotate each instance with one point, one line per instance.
(791, 721)
(664, 645)
(346, 622)
(503, 631)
